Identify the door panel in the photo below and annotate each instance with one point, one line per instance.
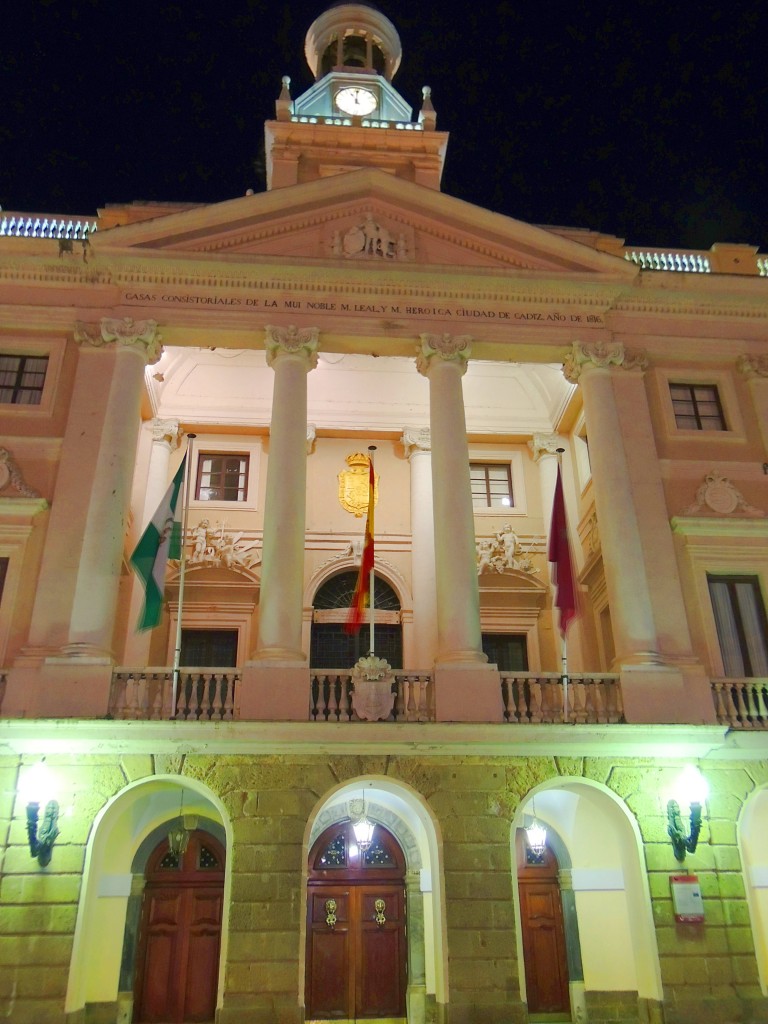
(381, 957)
(329, 953)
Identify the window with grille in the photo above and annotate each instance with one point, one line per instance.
(491, 485)
(22, 379)
(741, 624)
(332, 647)
(697, 407)
(221, 477)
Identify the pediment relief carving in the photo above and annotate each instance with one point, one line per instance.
(718, 495)
(12, 481)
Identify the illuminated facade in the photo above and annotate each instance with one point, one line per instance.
(354, 305)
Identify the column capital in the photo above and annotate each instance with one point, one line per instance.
(311, 437)
(292, 340)
(140, 335)
(416, 439)
(450, 348)
(544, 444)
(166, 432)
(752, 366)
(601, 355)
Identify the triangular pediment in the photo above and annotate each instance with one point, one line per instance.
(364, 217)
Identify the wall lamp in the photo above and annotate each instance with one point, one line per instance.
(693, 789)
(41, 835)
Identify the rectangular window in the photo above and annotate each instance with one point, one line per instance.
(491, 485)
(697, 407)
(209, 648)
(3, 573)
(221, 477)
(741, 624)
(22, 379)
(508, 651)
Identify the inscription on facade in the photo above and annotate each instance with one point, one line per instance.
(388, 309)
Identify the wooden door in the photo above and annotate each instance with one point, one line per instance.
(541, 919)
(356, 944)
(178, 959)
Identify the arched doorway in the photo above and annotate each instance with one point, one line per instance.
(356, 943)
(331, 646)
(177, 963)
(543, 930)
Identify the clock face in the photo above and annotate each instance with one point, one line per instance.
(354, 100)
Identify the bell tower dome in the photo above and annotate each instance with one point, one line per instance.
(353, 50)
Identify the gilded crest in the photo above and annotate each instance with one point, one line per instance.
(353, 485)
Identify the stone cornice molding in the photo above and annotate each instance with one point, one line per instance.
(752, 366)
(602, 355)
(416, 439)
(544, 444)
(447, 348)
(292, 341)
(166, 432)
(140, 335)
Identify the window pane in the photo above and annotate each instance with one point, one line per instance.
(222, 477)
(741, 624)
(697, 407)
(491, 485)
(22, 379)
(509, 651)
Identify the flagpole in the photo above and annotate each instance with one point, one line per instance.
(182, 567)
(564, 641)
(372, 483)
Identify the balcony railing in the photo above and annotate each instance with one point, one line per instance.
(46, 225)
(741, 703)
(331, 697)
(535, 698)
(204, 694)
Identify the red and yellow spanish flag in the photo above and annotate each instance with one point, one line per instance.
(356, 611)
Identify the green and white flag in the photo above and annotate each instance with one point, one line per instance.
(160, 541)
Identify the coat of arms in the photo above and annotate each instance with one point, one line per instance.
(353, 485)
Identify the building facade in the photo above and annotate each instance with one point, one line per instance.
(204, 864)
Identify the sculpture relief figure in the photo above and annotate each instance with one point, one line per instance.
(222, 548)
(501, 552)
(200, 542)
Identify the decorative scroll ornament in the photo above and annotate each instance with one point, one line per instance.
(373, 694)
(11, 476)
(369, 240)
(451, 348)
(292, 340)
(379, 907)
(353, 485)
(601, 354)
(502, 552)
(330, 913)
(218, 548)
(718, 494)
(753, 366)
(544, 444)
(126, 333)
(416, 439)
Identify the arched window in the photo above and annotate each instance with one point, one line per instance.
(331, 647)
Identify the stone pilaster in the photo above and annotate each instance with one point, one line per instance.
(661, 681)
(755, 371)
(466, 688)
(292, 353)
(76, 595)
(420, 653)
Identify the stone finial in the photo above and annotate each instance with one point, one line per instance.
(448, 348)
(124, 333)
(416, 439)
(601, 355)
(292, 340)
(284, 103)
(427, 115)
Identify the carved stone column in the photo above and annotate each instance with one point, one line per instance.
(165, 437)
(292, 353)
(755, 370)
(443, 361)
(544, 451)
(420, 653)
(73, 617)
(661, 680)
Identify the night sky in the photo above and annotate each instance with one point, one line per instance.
(641, 119)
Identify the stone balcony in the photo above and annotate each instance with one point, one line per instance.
(526, 698)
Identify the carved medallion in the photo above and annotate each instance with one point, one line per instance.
(353, 485)
(373, 696)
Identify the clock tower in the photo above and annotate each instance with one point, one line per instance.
(352, 117)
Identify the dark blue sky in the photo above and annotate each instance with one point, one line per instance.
(642, 119)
